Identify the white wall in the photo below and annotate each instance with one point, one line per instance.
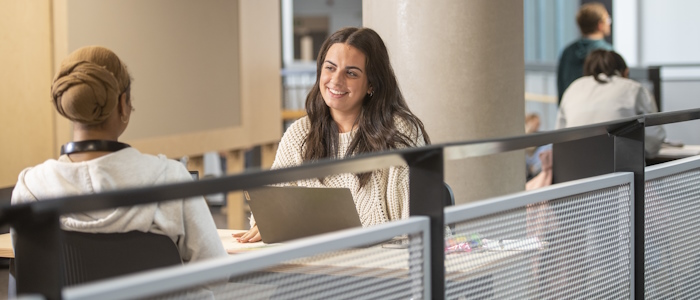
(668, 34)
(626, 30)
(669, 31)
(181, 54)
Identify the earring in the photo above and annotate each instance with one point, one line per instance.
(124, 120)
(371, 94)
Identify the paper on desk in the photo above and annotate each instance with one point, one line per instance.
(232, 245)
(685, 150)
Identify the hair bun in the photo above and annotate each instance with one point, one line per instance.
(85, 92)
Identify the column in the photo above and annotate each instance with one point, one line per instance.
(460, 66)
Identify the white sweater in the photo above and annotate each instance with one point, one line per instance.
(587, 101)
(384, 198)
(187, 222)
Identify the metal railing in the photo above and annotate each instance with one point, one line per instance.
(256, 275)
(570, 240)
(672, 221)
(39, 241)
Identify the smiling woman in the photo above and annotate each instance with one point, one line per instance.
(343, 84)
(354, 107)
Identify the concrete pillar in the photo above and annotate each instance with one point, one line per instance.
(460, 66)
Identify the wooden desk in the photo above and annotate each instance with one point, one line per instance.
(6, 246)
(229, 242)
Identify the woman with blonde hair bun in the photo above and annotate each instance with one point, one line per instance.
(92, 88)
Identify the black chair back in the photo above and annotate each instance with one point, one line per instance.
(449, 199)
(95, 256)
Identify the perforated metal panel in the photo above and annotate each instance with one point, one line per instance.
(384, 263)
(672, 236)
(575, 247)
(373, 272)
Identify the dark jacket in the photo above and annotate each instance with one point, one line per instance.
(571, 62)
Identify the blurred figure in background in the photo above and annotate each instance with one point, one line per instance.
(594, 22)
(533, 159)
(606, 93)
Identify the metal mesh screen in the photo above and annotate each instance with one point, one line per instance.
(672, 237)
(390, 270)
(576, 247)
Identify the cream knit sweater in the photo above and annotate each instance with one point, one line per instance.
(384, 198)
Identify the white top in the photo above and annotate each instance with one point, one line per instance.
(588, 101)
(187, 222)
(384, 198)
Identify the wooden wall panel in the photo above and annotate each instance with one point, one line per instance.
(217, 61)
(206, 72)
(26, 134)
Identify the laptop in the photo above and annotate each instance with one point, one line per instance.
(287, 213)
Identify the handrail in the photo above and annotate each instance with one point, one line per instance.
(38, 221)
(671, 117)
(640, 73)
(326, 167)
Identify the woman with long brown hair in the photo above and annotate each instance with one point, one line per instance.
(354, 107)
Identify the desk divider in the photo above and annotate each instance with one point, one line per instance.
(672, 205)
(185, 279)
(426, 165)
(567, 240)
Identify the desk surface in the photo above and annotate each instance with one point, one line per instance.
(227, 239)
(678, 152)
(348, 262)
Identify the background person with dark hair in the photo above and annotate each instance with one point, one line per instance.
(594, 22)
(606, 94)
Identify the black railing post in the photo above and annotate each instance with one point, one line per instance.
(38, 249)
(655, 78)
(629, 157)
(426, 195)
(582, 158)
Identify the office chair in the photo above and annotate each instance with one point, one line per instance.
(94, 256)
(449, 199)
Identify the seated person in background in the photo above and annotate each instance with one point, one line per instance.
(92, 89)
(606, 94)
(594, 23)
(533, 163)
(354, 107)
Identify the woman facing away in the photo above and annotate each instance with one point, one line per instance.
(605, 93)
(354, 107)
(92, 89)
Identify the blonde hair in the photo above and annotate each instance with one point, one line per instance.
(589, 16)
(87, 86)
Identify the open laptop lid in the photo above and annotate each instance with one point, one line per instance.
(286, 213)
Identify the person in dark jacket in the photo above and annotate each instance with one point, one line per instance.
(594, 22)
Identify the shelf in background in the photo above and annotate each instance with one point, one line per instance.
(292, 114)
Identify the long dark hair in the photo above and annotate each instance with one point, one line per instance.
(604, 62)
(376, 129)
